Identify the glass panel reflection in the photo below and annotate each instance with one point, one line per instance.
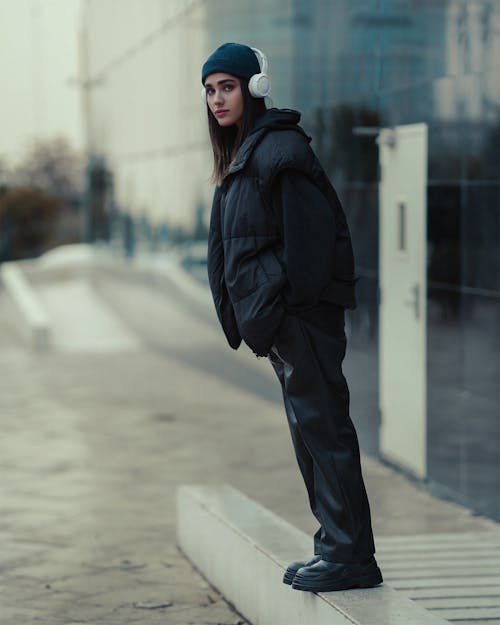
(351, 65)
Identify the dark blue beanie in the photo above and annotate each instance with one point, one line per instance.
(231, 58)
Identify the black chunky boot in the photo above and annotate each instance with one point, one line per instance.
(295, 566)
(325, 576)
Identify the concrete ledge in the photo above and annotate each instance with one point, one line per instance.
(34, 321)
(243, 550)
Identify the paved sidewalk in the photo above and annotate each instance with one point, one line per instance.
(93, 447)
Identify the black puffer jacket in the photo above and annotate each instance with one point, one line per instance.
(278, 241)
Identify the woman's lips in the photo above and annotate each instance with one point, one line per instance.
(221, 112)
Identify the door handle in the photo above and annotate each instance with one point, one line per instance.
(415, 301)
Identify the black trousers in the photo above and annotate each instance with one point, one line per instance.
(307, 357)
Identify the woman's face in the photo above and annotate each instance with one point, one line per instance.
(224, 98)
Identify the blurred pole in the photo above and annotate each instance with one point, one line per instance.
(37, 57)
(86, 117)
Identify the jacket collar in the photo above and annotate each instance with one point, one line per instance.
(246, 150)
(273, 119)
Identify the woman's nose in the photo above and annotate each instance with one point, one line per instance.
(218, 99)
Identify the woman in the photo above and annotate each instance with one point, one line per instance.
(281, 272)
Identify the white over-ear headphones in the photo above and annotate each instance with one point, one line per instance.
(259, 84)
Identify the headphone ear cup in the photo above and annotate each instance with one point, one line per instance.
(259, 85)
(203, 95)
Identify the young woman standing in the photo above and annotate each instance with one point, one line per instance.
(281, 272)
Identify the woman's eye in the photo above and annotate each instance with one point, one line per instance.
(228, 87)
(210, 91)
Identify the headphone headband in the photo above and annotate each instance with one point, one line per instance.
(261, 57)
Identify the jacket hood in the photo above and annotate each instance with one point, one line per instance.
(278, 119)
(272, 119)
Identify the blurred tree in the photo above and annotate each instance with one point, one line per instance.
(4, 172)
(52, 165)
(40, 200)
(27, 222)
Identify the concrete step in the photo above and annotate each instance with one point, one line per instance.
(455, 575)
(31, 317)
(243, 549)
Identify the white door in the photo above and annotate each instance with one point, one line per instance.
(403, 242)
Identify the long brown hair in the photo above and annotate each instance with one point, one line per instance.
(226, 140)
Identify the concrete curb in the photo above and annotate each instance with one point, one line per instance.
(243, 550)
(33, 320)
(60, 263)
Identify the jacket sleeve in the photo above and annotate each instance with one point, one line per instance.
(308, 232)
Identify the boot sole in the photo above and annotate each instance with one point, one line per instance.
(364, 581)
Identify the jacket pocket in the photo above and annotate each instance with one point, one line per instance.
(270, 264)
(248, 268)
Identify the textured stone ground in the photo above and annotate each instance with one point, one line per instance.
(93, 447)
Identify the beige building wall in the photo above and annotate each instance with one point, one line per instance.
(141, 64)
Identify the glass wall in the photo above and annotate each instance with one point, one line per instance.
(348, 64)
